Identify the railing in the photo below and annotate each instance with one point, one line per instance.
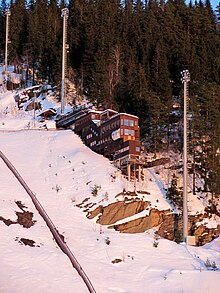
(63, 246)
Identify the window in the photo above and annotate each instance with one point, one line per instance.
(93, 116)
(126, 122)
(137, 149)
(131, 122)
(93, 143)
(121, 131)
(89, 136)
(129, 132)
(122, 121)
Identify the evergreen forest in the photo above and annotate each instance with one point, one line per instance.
(128, 56)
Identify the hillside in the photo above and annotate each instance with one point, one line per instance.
(63, 173)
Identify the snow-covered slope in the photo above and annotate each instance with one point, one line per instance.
(61, 171)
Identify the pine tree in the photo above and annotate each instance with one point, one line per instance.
(3, 8)
(18, 31)
(53, 50)
(174, 194)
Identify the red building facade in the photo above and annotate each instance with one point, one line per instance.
(112, 134)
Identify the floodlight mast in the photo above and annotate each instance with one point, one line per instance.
(65, 13)
(185, 79)
(217, 10)
(8, 13)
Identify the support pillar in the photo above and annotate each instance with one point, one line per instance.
(129, 172)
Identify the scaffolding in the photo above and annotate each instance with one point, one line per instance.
(132, 166)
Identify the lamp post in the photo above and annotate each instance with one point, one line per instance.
(185, 79)
(65, 13)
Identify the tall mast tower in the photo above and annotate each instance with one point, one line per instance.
(8, 13)
(217, 10)
(185, 79)
(65, 13)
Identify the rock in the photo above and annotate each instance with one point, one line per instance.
(170, 225)
(95, 212)
(204, 235)
(117, 211)
(143, 224)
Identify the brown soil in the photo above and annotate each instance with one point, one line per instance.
(26, 241)
(24, 218)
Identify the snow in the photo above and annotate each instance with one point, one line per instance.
(61, 171)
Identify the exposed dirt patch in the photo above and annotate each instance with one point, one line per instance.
(26, 241)
(124, 193)
(7, 222)
(116, 260)
(24, 218)
(83, 203)
(20, 205)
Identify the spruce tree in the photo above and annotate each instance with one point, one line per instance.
(3, 8)
(18, 31)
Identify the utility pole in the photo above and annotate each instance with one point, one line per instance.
(185, 79)
(8, 13)
(65, 13)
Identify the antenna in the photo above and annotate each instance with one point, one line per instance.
(65, 13)
(185, 79)
(8, 13)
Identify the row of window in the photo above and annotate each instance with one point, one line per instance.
(93, 131)
(137, 148)
(128, 122)
(105, 139)
(113, 125)
(89, 136)
(122, 150)
(93, 143)
(127, 132)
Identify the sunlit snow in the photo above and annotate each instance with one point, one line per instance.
(61, 171)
